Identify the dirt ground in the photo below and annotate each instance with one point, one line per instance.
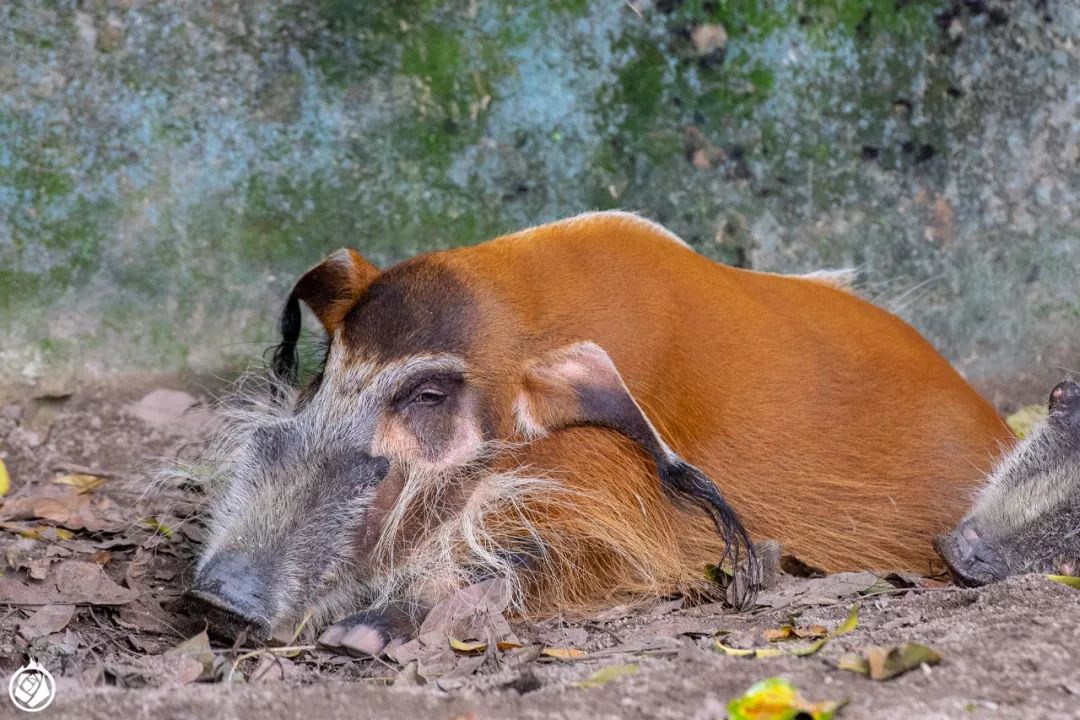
(96, 555)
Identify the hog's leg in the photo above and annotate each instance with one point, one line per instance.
(372, 631)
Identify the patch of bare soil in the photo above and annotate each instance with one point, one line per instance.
(96, 555)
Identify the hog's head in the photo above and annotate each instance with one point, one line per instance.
(1027, 516)
(379, 480)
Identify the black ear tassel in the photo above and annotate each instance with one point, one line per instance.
(285, 359)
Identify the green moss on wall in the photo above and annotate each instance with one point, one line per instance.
(166, 170)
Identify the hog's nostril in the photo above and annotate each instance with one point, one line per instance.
(972, 560)
(1065, 398)
(234, 583)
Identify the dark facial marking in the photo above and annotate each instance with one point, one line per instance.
(414, 308)
(429, 403)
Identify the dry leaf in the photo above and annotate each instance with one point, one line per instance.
(563, 653)
(853, 662)
(490, 596)
(38, 532)
(605, 675)
(849, 624)
(196, 648)
(73, 583)
(819, 591)
(47, 620)
(479, 647)
(785, 632)
(742, 652)
(163, 408)
(886, 663)
(777, 699)
(73, 511)
(80, 482)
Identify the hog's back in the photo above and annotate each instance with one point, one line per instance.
(830, 424)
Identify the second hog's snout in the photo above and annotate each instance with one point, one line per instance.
(1065, 403)
(972, 559)
(1025, 518)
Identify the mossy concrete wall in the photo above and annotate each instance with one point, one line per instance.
(168, 168)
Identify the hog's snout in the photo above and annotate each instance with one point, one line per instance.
(232, 582)
(1065, 402)
(971, 558)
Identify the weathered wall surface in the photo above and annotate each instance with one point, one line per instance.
(167, 169)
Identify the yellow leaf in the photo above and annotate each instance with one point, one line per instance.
(606, 675)
(734, 651)
(848, 625)
(845, 627)
(289, 651)
(40, 532)
(770, 652)
(81, 482)
(5, 480)
(468, 647)
(786, 632)
(1070, 580)
(811, 648)
(563, 653)
(1021, 421)
(158, 526)
(777, 699)
(479, 647)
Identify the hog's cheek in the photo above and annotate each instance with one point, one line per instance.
(440, 442)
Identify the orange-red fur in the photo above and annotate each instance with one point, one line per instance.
(829, 424)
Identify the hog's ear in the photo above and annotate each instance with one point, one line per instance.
(330, 289)
(579, 385)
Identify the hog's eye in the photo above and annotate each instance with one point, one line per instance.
(431, 390)
(427, 396)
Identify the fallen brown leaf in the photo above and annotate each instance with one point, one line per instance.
(845, 627)
(195, 648)
(882, 663)
(73, 511)
(73, 582)
(563, 653)
(47, 620)
(480, 647)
